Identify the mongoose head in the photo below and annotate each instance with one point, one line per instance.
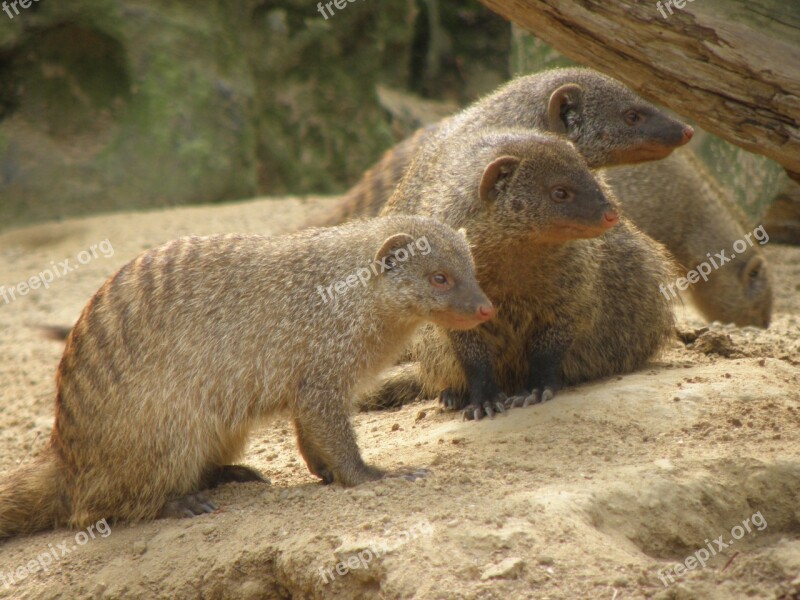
(608, 122)
(429, 270)
(737, 293)
(538, 186)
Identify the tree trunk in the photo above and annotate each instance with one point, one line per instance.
(731, 65)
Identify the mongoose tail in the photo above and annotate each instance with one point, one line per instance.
(58, 333)
(31, 498)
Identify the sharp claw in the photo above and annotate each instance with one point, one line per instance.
(477, 414)
(487, 408)
(500, 407)
(547, 394)
(449, 400)
(418, 474)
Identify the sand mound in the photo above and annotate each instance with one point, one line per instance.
(598, 494)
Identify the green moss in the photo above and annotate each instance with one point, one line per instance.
(119, 104)
(752, 179)
(529, 54)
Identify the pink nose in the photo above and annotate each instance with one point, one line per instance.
(688, 132)
(485, 312)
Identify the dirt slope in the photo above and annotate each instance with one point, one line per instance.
(592, 495)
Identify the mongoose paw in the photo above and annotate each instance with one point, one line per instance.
(535, 397)
(523, 400)
(188, 506)
(236, 474)
(325, 474)
(414, 475)
(449, 399)
(487, 408)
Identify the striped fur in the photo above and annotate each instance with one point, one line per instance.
(593, 120)
(191, 345)
(570, 307)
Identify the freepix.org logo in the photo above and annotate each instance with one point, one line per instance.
(363, 274)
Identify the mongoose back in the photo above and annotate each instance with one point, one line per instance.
(577, 294)
(188, 347)
(608, 123)
(679, 203)
(782, 218)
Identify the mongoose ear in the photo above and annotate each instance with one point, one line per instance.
(462, 232)
(387, 253)
(569, 96)
(496, 175)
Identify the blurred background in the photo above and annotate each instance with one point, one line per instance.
(109, 105)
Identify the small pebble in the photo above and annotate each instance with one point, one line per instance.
(508, 568)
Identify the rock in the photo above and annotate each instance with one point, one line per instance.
(139, 547)
(508, 568)
(715, 342)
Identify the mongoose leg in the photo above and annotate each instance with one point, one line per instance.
(188, 506)
(233, 474)
(544, 379)
(311, 455)
(484, 393)
(328, 444)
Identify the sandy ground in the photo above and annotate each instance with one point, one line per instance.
(592, 495)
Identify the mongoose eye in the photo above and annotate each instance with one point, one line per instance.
(560, 194)
(441, 281)
(632, 117)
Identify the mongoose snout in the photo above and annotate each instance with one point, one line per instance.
(463, 321)
(467, 305)
(653, 136)
(580, 206)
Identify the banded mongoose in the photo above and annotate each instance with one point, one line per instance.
(608, 123)
(191, 345)
(678, 202)
(571, 306)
